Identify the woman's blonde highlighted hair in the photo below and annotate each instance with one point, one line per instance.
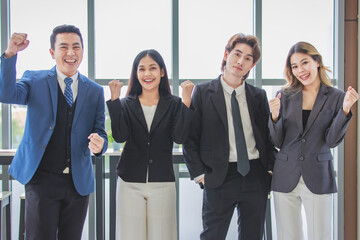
(293, 85)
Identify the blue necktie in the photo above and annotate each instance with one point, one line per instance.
(68, 92)
(243, 166)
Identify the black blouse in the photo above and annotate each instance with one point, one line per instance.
(305, 117)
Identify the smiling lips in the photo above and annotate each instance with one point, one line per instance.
(71, 61)
(148, 80)
(305, 76)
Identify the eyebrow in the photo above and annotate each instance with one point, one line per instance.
(305, 58)
(153, 64)
(66, 44)
(237, 50)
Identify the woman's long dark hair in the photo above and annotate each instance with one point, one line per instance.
(134, 86)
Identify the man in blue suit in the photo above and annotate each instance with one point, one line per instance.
(65, 121)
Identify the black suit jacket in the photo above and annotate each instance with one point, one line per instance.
(207, 149)
(148, 150)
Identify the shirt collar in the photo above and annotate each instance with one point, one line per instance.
(63, 76)
(239, 90)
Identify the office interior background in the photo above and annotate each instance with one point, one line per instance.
(191, 36)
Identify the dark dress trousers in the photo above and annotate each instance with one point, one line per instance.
(144, 151)
(207, 152)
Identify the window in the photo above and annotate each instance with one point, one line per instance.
(204, 29)
(49, 14)
(125, 28)
(285, 23)
(38, 27)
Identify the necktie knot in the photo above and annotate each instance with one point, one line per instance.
(233, 94)
(68, 81)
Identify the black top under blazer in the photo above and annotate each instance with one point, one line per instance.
(306, 151)
(207, 149)
(148, 150)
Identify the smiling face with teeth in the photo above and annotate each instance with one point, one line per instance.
(149, 74)
(305, 69)
(67, 52)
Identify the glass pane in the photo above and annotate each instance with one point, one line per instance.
(18, 119)
(131, 26)
(205, 26)
(271, 91)
(287, 22)
(107, 95)
(39, 26)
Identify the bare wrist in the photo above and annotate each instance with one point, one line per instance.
(187, 102)
(274, 119)
(346, 111)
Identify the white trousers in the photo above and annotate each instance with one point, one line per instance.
(318, 211)
(145, 211)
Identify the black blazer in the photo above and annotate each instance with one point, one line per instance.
(207, 149)
(306, 151)
(148, 150)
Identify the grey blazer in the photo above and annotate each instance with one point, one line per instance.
(306, 152)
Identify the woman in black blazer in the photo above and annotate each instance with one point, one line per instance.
(149, 119)
(308, 117)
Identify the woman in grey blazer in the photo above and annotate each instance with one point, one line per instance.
(308, 117)
(149, 119)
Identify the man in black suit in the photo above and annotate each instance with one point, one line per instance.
(229, 150)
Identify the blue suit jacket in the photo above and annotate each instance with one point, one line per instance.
(39, 91)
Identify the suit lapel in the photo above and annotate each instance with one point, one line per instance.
(218, 100)
(135, 107)
(161, 109)
(298, 99)
(81, 95)
(53, 88)
(252, 102)
(319, 103)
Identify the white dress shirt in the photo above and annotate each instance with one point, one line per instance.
(74, 86)
(252, 151)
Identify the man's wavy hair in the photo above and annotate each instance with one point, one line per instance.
(250, 40)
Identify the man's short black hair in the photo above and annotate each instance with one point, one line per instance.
(64, 29)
